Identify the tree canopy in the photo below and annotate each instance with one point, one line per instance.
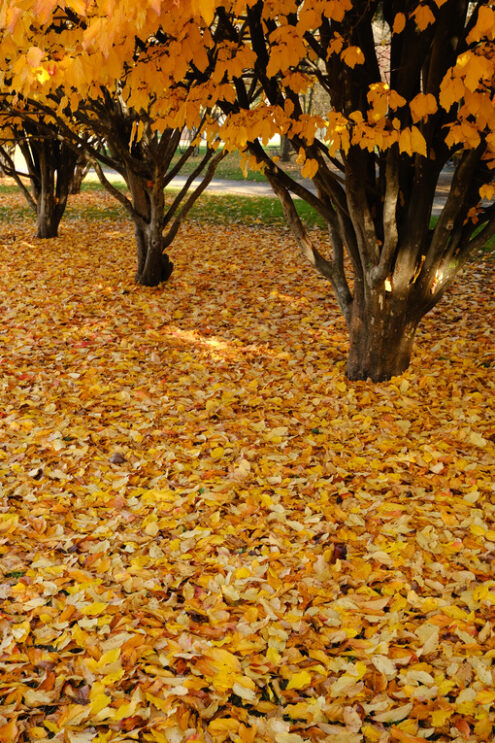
(409, 87)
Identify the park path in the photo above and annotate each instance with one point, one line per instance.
(260, 188)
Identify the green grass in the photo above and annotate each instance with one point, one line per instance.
(8, 188)
(93, 186)
(229, 168)
(222, 209)
(219, 208)
(249, 210)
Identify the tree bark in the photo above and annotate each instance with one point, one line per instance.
(48, 215)
(50, 166)
(284, 148)
(80, 173)
(153, 264)
(381, 335)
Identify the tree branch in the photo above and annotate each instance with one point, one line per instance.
(118, 194)
(333, 271)
(192, 198)
(9, 169)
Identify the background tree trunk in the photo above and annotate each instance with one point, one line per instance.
(50, 165)
(80, 172)
(284, 148)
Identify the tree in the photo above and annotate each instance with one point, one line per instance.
(127, 142)
(376, 169)
(50, 167)
(108, 113)
(389, 128)
(82, 169)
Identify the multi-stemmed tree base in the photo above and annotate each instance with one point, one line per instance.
(154, 265)
(379, 353)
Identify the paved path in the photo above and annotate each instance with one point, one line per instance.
(260, 188)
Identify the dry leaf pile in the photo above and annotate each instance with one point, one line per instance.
(206, 532)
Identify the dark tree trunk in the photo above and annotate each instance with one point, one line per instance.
(381, 336)
(80, 172)
(51, 167)
(48, 214)
(153, 264)
(284, 148)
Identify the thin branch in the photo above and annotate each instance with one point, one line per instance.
(185, 188)
(192, 199)
(11, 171)
(334, 273)
(118, 194)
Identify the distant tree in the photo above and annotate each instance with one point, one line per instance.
(128, 143)
(49, 168)
(82, 169)
(375, 156)
(89, 104)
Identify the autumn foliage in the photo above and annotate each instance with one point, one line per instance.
(393, 122)
(206, 532)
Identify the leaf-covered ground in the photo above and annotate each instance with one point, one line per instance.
(206, 532)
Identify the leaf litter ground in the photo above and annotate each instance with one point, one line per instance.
(206, 532)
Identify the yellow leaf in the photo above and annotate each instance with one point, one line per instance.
(399, 23)
(92, 610)
(273, 656)
(206, 8)
(99, 702)
(440, 716)
(158, 702)
(418, 142)
(111, 678)
(125, 710)
(352, 56)
(8, 521)
(300, 680)
(218, 452)
(372, 733)
(405, 144)
(223, 725)
(21, 630)
(485, 23)
(487, 191)
(422, 105)
(309, 169)
(110, 656)
(249, 695)
(486, 696)
(423, 17)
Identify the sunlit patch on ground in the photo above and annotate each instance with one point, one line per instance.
(206, 532)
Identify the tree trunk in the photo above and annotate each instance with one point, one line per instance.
(50, 166)
(47, 217)
(284, 148)
(80, 173)
(48, 214)
(153, 264)
(381, 335)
